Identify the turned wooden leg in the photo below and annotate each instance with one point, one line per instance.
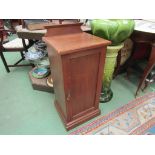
(4, 62)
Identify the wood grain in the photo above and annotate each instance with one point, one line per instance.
(77, 61)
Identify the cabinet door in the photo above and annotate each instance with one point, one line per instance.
(81, 77)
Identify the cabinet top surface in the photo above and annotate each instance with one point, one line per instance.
(72, 42)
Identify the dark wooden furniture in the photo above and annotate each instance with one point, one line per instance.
(4, 33)
(143, 39)
(140, 37)
(16, 45)
(77, 61)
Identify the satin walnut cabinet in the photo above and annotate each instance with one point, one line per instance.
(76, 60)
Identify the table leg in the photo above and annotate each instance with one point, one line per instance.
(4, 62)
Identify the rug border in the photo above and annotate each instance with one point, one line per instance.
(144, 127)
(108, 117)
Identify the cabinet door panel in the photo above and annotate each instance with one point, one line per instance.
(83, 82)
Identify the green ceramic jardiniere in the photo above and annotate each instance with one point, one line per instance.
(117, 31)
(110, 61)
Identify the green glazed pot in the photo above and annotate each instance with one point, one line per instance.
(117, 31)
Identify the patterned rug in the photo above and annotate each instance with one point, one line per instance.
(135, 118)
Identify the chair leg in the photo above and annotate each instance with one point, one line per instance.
(4, 62)
(22, 55)
(24, 44)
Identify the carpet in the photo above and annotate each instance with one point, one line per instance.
(135, 118)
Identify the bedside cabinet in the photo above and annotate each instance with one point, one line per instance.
(77, 61)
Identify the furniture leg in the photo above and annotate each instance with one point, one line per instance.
(145, 85)
(4, 62)
(18, 62)
(20, 65)
(22, 55)
(24, 45)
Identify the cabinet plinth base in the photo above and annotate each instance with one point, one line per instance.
(73, 123)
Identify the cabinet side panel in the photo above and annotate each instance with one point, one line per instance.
(57, 75)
